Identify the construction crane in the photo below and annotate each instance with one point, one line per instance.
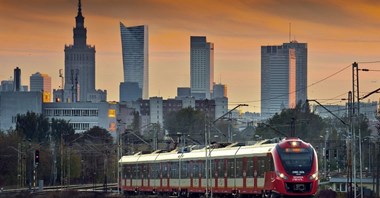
(62, 79)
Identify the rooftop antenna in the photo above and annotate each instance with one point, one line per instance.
(61, 76)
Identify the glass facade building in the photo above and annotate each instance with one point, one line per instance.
(134, 41)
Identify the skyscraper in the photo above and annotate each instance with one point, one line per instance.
(283, 77)
(79, 64)
(41, 83)
(17, 79)
(301, 69)
(134, 41)
(201, 67)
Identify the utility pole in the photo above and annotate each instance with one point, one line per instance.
(61, 150)
(356, 98)
(229, 135)
(350, 135)
(206, 157)
(19, 167)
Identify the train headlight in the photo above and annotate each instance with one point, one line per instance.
(281, 175)
(314, 176)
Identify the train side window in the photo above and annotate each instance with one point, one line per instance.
(239, 167)
(202, 168)
(231, 167)
(135, 171)
(125, 171)
(130, 171)
(144, 168)
(195, 169)
(184, 169)
(220, 168)
(164, 170)
(174, 170)
(156, 171)
(250, 167)
(151, 171)
(260, 166)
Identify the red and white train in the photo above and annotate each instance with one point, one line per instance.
(266, 169)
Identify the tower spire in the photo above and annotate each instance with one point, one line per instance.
(79, 30)
(79, 7)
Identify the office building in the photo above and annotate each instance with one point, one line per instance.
(41, 83)
(84, 115)
(7, 85)
(201, 67)
(134, 41)
(283, 77)
(219, 91)
(278, 80)
(301, 69)
(183, 92)
(13, 103)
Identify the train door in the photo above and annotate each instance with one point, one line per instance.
(155, 175)
(231, 173)
(218, 167)
(174, 174)
(164, 175)
(260, 172)
(161, 174)
(135, 180)
(249, 170)
(127, 176)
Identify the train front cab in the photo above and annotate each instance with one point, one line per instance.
(296, 169)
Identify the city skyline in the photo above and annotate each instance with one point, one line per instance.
(338, 33)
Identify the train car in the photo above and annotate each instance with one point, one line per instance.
(265, 169)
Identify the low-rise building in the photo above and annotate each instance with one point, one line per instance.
(14, 103)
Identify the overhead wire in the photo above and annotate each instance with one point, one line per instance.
(315, 83)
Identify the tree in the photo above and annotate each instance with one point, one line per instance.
(308, 126)
(9, 158)
(34, 127)
(188, 122)
(136, 121)
(98, 135)
(97, 151)
(61, 129)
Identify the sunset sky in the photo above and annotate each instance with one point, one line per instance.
(33, 34)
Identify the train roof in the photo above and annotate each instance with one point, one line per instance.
(261, 148)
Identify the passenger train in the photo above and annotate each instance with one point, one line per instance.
(286, 168)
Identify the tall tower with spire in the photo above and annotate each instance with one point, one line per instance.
(79, 64)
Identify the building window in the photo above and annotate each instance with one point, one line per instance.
(76, 112)
(94, 113)
(14, 119)
(85, 113)
(111, 113)
(57, 112)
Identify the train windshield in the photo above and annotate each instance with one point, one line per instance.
(296, 161)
